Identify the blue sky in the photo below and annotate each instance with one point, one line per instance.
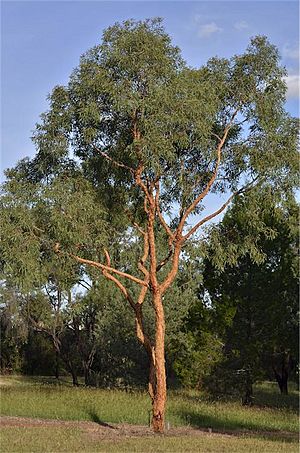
(42, 41)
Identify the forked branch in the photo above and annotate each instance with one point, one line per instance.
(121, 287)
(203, 194)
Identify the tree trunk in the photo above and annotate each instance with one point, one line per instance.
(248, 397)
(73, 373)
(87, 366)
(282, 381)
(74, 378)
(88, 380)
(56, 364)
(160, 389)
(281, 366)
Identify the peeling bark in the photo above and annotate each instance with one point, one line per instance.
(160, 396)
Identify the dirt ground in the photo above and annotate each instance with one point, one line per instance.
(111, 431)
(100, 429)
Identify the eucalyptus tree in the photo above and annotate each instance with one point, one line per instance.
(159, 136)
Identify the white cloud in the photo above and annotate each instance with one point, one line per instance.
(206, 30)
(293, 86)
(241, 25)
(292, 53)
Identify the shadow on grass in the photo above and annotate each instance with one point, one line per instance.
(95, 418)
(267, 397)
(234, 428)
(264, 396)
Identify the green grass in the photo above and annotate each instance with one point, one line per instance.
(39, 398)
(37, 440)
(270, 425)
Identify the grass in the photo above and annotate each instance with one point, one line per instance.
(40, 398)
(270, 425)
(37, 440)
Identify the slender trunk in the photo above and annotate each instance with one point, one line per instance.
(56, 364)
(87, 374)
(281, 366)
(72, 370)
(248, 397)
(87, 365)
(282, 381)
(160, 393)
(74, 376)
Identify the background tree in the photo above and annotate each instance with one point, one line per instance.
(33, 212)
(261, 297)
(13, 330)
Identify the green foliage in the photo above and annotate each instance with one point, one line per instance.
(196, 357)
(261, 296)
(13, 331)
(137, 75)
(38, 355)
(36, 216)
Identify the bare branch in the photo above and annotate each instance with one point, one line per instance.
(217, 136)
(145, 206)
(117, 164)
(120, 286)
(209, 217)
(218, 211)
(143, 292)
(135, 224)
(84, 284)
(141, 184)
(164, 261)
(173, 271)
(200, 197)
(108, 268)
(108, 261)
(160, 216)
(142, 261)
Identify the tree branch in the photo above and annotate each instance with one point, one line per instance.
(117, 164)
(173, 271)
(141, 184)
(164, 261)
(120, 286)
(135, 224)
(160, 216)
(85, 284)
(142, 261)
(218, 211)
(213, 177)
(108, 268)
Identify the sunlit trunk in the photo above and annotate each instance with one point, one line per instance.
(160, 392)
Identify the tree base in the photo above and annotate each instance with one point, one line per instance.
(158, 423)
